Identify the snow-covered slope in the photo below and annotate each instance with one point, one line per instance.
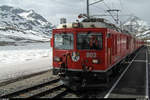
(136, 25)
(19, 25)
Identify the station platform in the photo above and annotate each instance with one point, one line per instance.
(133, 84)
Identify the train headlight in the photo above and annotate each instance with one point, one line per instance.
(75, 56)
(57, 59)
(95, 61)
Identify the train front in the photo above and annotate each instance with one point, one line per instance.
(78, 54)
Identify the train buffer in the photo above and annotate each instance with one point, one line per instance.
(134, 83)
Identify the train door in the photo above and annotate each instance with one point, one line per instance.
(113, 44)
(118, 45)
(115, 47)
(128, 44)
(109, 49)
(132, 45)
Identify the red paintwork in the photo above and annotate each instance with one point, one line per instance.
(114, 48)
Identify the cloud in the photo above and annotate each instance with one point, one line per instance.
(53, 10)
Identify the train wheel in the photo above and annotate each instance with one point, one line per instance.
(75, 88)
(115, 72)
(108, 78)
(84, 83)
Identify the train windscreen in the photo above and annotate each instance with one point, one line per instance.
(63, 41)
(89, 41)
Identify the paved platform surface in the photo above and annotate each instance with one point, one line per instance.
(133, 83)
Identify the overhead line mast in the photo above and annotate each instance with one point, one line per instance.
(109, 11)
(115, 17)
(88, 7)
(115, 10)
(88, 13)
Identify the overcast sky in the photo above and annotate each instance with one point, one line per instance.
(53, 10)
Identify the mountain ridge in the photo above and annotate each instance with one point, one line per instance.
(23, 24)
(136, 25)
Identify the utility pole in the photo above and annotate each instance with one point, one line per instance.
(88, 13)
(115, 10)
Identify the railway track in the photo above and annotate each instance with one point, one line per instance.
(13, 80)
(48, 89)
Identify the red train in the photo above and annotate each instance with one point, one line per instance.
(89, 50)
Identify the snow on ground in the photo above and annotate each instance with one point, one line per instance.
(9, 71)
(25, 59)
(22, 55)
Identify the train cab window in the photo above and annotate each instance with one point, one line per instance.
(89, 41)
(63, 41)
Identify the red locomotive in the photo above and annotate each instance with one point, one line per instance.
(89, 50)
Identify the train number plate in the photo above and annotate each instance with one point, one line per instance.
(91, 55)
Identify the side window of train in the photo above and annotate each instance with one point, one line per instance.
(108, 35)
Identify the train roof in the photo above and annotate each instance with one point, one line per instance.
(92, 23)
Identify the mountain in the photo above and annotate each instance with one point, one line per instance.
(18, 25)
(136, 25)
